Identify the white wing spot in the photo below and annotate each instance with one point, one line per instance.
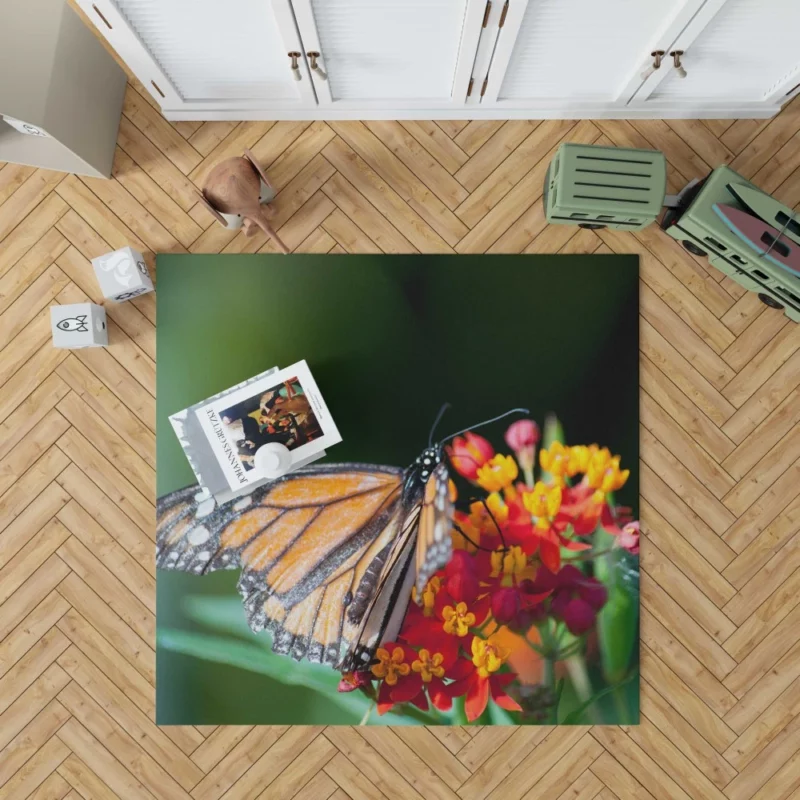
(241, 505)
(205, 555)
(199, 535)
(205, 508)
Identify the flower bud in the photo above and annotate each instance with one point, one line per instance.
(505, 604)
(522, 434)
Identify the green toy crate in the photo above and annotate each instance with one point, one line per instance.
(695, 224)
(598, 187)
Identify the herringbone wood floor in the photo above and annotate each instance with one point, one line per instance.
(720, 412)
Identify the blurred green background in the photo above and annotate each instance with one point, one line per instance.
(388, 339)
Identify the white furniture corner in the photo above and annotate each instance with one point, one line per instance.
(451, 59)
(57, 77)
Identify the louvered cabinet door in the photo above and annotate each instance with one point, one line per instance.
(735, 52)
(208, 55)
(389, 54)
(565, 55)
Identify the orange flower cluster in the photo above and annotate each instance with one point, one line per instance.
(506, 570)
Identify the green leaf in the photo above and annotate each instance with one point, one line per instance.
(314, 677)
(618, 620)
(575, 716)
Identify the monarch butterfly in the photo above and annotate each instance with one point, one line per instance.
(328, 553)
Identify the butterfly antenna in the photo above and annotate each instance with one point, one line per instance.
(458, 528)
(496, 525)
(436, 422)
(487, 422)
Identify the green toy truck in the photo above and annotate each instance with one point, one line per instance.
(598, 187)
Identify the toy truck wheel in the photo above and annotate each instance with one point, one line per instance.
(693, 248)
(592, 226)
(769, 301)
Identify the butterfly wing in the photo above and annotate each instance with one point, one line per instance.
(430, 516)
(311, 546)
(434, 540)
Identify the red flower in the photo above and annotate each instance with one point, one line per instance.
(451, 607)
(406, 675)
(469, 453)
(488, 655)
(575, 598)
(521, 531)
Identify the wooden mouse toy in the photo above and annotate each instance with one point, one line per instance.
(234, 193)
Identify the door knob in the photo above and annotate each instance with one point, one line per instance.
(313, 56)
(295, 67)
(676, 60)
(657, 56)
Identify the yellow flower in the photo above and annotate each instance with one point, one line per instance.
(496, 474)
(511, 562)
(555, 460)
(428, 595)
(428, 665)
(457, 620)
(390, 665)
(604, 475)
(498, 508)
(579, 458)
(488, 655)
(543, 502)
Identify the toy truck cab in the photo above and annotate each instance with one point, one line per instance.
(702, 232)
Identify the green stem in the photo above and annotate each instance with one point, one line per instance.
(367, 713)
(528, 472)
(576, 666)
(621, 704)
(459, 714)
(549, 680)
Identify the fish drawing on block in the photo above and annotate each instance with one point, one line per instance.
(763, 238)
(77, 324)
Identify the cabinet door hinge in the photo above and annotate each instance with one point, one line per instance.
(503, 15)
(485, 84)
(486, 13)
(469, 88)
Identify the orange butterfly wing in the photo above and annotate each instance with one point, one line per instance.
(313, 548)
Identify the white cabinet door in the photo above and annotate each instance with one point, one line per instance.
(390, 54)
(579, 54)
(734, 52)
(206, 54)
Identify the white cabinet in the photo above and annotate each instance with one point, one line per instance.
(389, 54)
(388, 59)
(570, 53)
(204, 55)
(734, 51)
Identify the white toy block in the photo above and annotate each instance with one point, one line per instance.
(122, 274)
(79, 325)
